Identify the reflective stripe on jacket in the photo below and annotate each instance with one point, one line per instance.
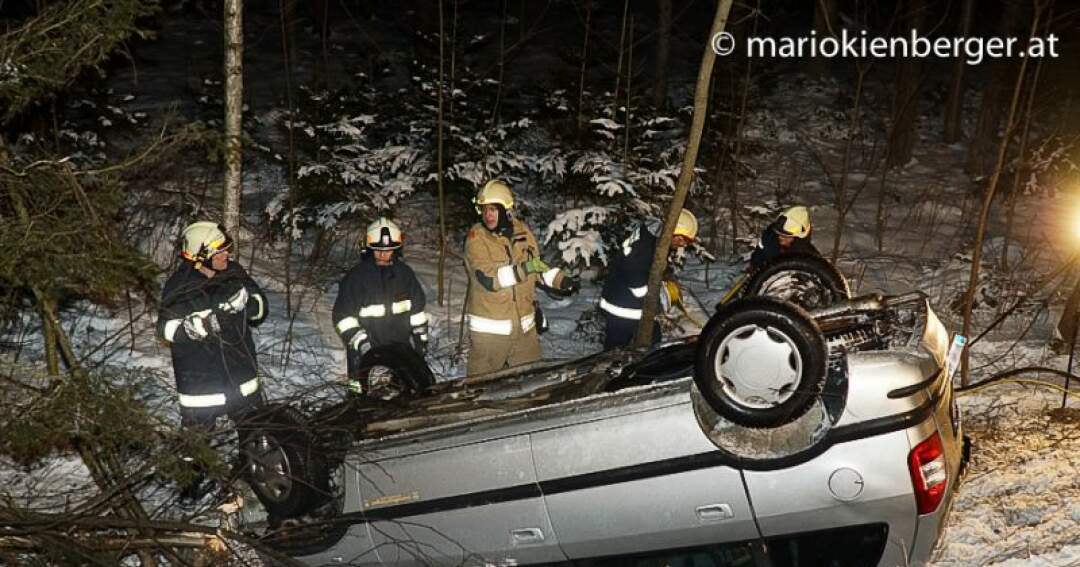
(627, 279)
(385, 303)
(220, 364)
(501, 294)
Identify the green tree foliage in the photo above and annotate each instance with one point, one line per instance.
(62, 235)
(49, 52)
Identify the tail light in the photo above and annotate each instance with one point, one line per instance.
(929, 473)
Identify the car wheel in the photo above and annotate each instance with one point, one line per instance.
(281, 463)
(761, 362)
(803, 279)
(395, 370)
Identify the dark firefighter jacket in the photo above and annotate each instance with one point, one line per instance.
(386, 303)
(627, 280)
(768, 247)
(221, 367)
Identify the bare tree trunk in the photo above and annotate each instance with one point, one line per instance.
(825, 25)
(686, 177)
(663, 47)
(439, 143)
(1022, 165)
(234, 104)
(291, 182)
(629, 78)
(522, 25)
(906, 101)
(733, 195)
(981, 149)
(322, 20)
(290, 26)
(105, 471)
(52, 356)
(618, 67)
(584, 60)
(502, 61)
(840, 193)
(453, 64)
(988, 198)
(954, 104)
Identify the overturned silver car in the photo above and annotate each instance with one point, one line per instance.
(779, 436)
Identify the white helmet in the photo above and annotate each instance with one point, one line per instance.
(383, 234)
(202, 240)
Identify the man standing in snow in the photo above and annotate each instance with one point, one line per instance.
(627, 280)
(789, 233)
(503, 262)
(379, 301)
(208, 308)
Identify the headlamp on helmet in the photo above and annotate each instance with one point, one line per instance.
(383, 234)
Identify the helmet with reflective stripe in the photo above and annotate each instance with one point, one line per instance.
(494, 192)
(687, 225)
(795, 222)
(202, 240)
(383, 234)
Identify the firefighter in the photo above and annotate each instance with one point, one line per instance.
(379, 301)
(790, 232)
(627, 280)
(208, 309)
(503, 262)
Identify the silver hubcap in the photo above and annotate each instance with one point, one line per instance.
(800, 288)
(758, 367)
(268, 466)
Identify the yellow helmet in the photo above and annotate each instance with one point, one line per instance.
(202, 240)
(687, 225)
(795, 222)
(494, 192)
(383, 234)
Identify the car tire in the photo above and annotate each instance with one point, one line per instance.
(803, 279)
(281, 462)
(786, 370)
(408, 372)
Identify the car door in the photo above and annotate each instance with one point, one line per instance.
(476, 503)
(636, 477)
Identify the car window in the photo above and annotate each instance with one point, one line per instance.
(736, 554)
(855, 546)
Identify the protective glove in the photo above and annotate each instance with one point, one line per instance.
(355, 386)
(535, 265)
(200, 324)
(236, 303)
(360, 343)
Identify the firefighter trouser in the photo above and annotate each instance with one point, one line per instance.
(621, 332)
(490, 352)
(206, 417)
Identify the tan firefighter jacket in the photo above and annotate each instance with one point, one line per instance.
(501, 294)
